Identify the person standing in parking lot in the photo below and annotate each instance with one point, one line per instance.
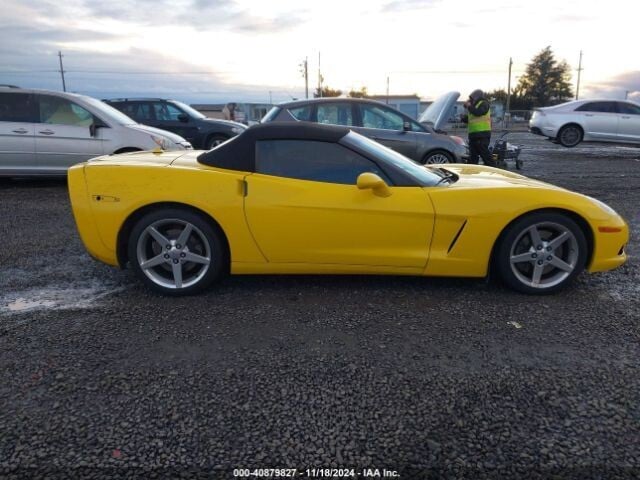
(479, 125)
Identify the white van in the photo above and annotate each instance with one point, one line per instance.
(45, 132)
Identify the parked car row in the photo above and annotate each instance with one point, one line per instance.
(45, 132)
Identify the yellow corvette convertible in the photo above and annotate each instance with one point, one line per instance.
(285, 198)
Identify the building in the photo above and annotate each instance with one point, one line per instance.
(407, 104)
(247, 113)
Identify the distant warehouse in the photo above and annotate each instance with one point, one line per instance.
(247, 113)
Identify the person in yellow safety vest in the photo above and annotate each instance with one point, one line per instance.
(479, 125)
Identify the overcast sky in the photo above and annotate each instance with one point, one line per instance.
(222, 50)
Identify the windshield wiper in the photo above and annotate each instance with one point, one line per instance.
(446, 176)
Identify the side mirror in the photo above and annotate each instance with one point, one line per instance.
(406, 126)
(371, 181)
(183, 117)
(95, 125)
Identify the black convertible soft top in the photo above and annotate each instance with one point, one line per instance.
(239, 152)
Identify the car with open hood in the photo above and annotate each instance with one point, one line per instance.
(425, 143)
(299, 198)
(44, 132)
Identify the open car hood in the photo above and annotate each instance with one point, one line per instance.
(439, 111)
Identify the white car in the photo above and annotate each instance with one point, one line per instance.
(45, 132)
(588, 120)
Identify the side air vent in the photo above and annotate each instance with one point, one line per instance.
(455, 239)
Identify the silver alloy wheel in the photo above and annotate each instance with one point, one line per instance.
(437, 158)
(570, 136)
(215, 142)
(544, 255)
(173, 253)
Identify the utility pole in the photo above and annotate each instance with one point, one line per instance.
(64, 86)
(508, 106)
(319, 78)
(579, 71)
(387, 89)
(306, 78)
(304, 70)
(270, 99)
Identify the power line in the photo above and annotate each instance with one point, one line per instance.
(452, 72)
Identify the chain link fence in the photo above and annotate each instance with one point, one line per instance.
(514, 120)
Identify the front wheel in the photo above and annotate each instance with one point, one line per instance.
(437, 157)
(570, 135)
(176, 252)
(541, 253)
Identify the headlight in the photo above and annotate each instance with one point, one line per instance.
(162, 142)
(237, 129)
(458, 140)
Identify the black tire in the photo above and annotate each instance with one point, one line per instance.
(570, 135)
(437, 157)
(518, 257)
(215, 140)
(204, 241)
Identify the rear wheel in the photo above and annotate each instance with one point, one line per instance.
(570, 135)
(541, 253)
(437, 157)
(176, 252)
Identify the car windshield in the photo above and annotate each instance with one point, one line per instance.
(374, 149)
(192, 112)
(109, 112)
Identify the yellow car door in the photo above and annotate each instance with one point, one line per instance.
(303, 206)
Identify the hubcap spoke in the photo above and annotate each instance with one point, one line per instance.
(535, 236)
(562, 265)
(537, 274)
(177, 274)
(192, 257)
(559, 240)
(523, 257)
(153, 262)
(158, 237)
(184, 235)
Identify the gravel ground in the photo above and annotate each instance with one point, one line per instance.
(99, 378)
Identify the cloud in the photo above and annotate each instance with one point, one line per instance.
(627, 83)
(32, 32)
(198, 14)
(404, 5)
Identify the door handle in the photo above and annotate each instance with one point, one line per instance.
(623, 116)
(47, 132)
(589, 115)
(21, 131)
